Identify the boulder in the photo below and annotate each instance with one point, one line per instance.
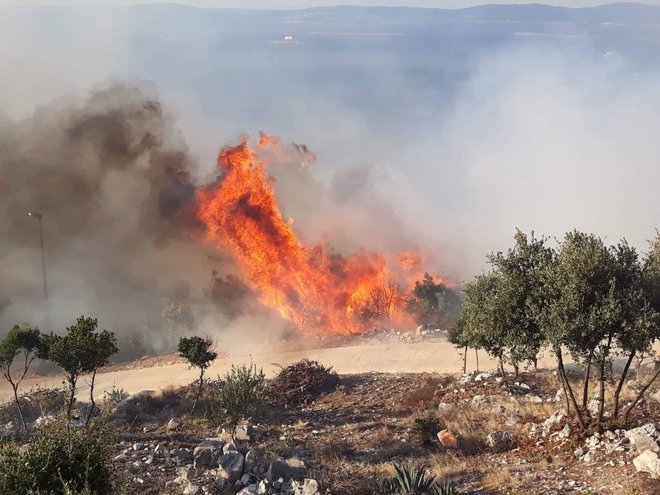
(655, 395)
(448, 439)
(648, 462)
(564, 433)
(42, 421)
(499, 440)
(644, 438)
(243, 433)
(279, 469)
(182, 456)
(554, 420)
(228, 448)
(308, 487)
(230, 466)
(129, 407)
(206, 459)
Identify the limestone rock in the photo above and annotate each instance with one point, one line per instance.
(499, 440)
(308, 487)
(648, 462)
(644, 438)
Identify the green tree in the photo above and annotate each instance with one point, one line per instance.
(521, 297)
(640, 337)
(199, 353)
(433, 303)
(80, 351)
(23, 341)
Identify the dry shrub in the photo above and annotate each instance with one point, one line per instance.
(424, 392)
(498, 480)
(341, 479)
(334, 450)
(302, 382)
(450, 464)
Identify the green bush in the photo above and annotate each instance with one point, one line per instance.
(58, 462)
(238, 395)
(426, 428)
(412, 480)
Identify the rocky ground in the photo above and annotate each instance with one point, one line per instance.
(485, 434)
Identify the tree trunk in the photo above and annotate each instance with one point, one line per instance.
(199, 391)
(536, 363)
(91, 400)
(640, 394)
(601, 378)
(18, 405)
(476, 354)
(587, 375)
(563, 387)
(465, 360)
(72, 398)
(562, 372)
(516, 370)
(624, 374)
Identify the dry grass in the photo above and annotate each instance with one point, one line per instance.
(449, 465)
(498, 480)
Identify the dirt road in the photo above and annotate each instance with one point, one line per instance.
(438, 357)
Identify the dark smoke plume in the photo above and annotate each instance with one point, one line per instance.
(114, 181)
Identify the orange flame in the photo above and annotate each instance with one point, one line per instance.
(315, 290)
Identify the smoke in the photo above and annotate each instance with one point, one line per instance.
(548, 136)
(542, 139)
(113, 179)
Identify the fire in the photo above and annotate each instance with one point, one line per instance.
(317, 290)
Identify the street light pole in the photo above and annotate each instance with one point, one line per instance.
(39, 216)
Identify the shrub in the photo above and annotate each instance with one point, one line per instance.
(115, 396)
(412, 480)
(302, 382)
(426, 428)
(239, 394)
(58, 462)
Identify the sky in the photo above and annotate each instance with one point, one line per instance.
(286, 4)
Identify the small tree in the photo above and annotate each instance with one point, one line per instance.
(21, 340)
(433, 303)
(199, 353)
(80, 351)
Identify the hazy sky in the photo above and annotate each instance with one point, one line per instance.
(271, 4)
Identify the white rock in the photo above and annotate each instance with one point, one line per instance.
(648, 462)
(644, 438)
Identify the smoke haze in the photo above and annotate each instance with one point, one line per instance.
(442, 144)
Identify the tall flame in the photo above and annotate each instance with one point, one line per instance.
(315, 290)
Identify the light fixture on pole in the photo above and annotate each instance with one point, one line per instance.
(39, 217)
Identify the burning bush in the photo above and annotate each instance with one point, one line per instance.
(302, 382)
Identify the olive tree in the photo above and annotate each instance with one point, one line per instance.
(433, 303)
(641, 337)
(80, 351)
(521, 296)
(199, 353)
(23, 341)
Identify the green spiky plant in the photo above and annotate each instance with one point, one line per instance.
(411, 480)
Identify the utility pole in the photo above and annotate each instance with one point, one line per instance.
(39, 217)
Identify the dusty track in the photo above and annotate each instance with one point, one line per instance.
(425, 357)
